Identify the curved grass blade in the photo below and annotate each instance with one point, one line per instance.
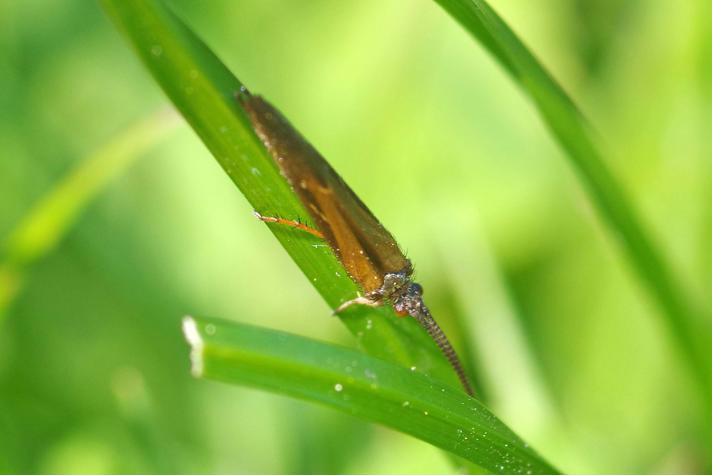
(204, 91)
(360, 385)
(575, 135)
(50, 219)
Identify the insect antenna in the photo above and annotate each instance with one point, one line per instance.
(426, 320)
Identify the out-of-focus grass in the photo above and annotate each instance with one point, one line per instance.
(575, 135)
(49, 220)
(172, 237)
(704, 86)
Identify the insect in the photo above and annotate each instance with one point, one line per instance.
(368, 252)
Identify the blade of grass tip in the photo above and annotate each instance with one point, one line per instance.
(38, 233)
(575, 135)
(359, 385)
(203, 89)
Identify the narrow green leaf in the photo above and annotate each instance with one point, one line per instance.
(204, 91)
(575, 135)
(360, 385)
(50, 219)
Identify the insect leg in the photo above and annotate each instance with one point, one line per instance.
(291, 223)
(358, 301)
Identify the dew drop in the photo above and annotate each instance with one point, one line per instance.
(338, 387)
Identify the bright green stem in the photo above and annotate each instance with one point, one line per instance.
(361, 385)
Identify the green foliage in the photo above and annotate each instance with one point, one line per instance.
(360, 385)
(449, 150)
(204, 91)
(51, 218)
(575, 135)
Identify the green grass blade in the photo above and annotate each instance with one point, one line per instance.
(575, 135)
(50, 219)
(360, 385)
(204, 91)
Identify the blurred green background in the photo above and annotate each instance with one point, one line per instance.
(94, 375)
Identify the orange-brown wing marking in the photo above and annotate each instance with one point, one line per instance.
(341, 237)
(365, 248)
(375, 239)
